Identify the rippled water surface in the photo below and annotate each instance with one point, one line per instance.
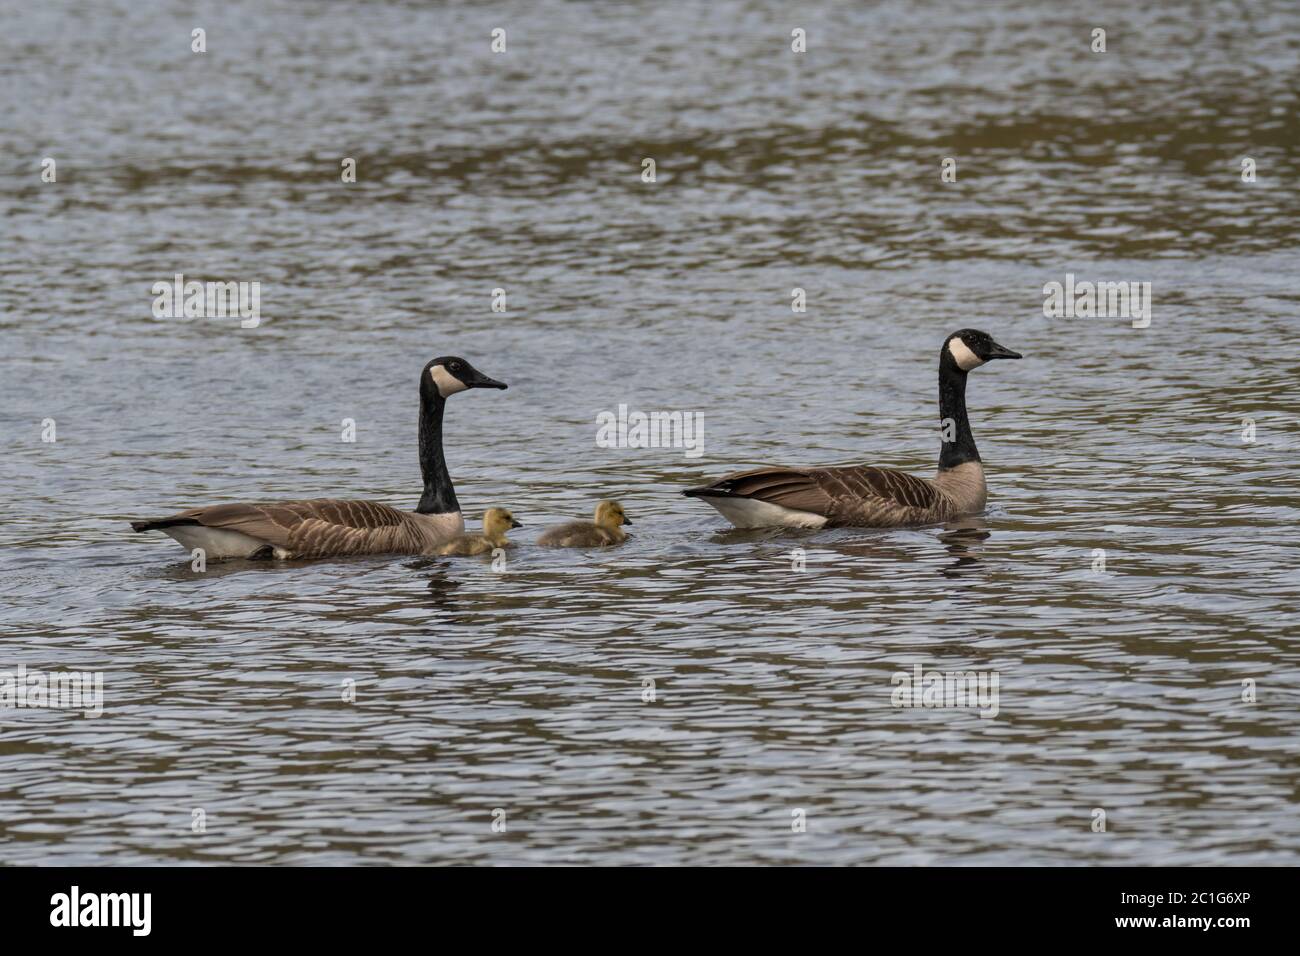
(522, 690)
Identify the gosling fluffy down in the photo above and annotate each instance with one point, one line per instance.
(606, 530)
(496, 522)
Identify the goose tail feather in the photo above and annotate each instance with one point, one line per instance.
(709, 491)
(158, 524)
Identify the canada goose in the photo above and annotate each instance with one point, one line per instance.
(866, 497)
(604, 531)
(328, 527)
(496, 522)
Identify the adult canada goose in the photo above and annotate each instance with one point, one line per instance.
(607, 529)
(328, 527)
(866, 497)
(496, 522)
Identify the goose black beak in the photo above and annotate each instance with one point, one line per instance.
(482, 381)
(516, 524)
(999, 351)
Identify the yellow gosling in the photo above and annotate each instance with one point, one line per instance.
(605, 531)
(496, 522)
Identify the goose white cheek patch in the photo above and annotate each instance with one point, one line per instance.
(965, 358)
(447, 383)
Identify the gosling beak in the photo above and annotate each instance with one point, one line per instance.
(999, 351)
(516, 524)
(626, 519)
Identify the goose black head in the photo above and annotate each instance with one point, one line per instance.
(971, 348)
(451, 374)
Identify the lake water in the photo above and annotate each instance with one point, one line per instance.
(1163, 690)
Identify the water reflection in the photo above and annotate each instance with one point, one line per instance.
(442, 591)
(527, 689)
(963, 539)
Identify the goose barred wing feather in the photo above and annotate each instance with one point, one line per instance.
(886, 484)
(320, 527)
(788, 487)
(858, 495)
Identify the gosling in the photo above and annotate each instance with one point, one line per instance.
(496, 522)
(606, 530)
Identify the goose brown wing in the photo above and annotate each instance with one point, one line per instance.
(856, 495)
(320, 526)
(864, 482)
(788, 487)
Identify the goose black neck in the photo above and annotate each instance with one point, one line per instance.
(439, 496)
(952, 406)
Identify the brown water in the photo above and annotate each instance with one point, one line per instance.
(522, 690)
